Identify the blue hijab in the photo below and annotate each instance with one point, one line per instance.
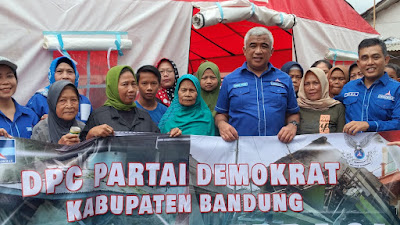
(52, 72)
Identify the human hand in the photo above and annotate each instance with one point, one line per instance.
(227, 131)
(175, 132)
(353, 127)
(69, 139)
(100, 131)
(4, 133)
(287, 133)
(44, 116)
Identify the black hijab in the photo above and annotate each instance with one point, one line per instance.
(57, 126)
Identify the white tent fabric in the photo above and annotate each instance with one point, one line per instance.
(50, 42)
(239, 10)
(341, 55)
(157, 29)
(312, 39)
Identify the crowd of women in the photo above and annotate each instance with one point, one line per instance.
(167, 102)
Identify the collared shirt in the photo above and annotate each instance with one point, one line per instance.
(379, 104)
(257, 106)
(24, 121)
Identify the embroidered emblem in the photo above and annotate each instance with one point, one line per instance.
(351, 94)
(238, 85)
(386, 96)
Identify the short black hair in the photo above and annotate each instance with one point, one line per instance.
(372, 42)
(395, 67)
(327, 63)
(149, 69)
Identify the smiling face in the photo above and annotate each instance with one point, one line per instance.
(258, 51)
(312, 87)
(209, 80)
(167, 74)
(8, 82)
(64, 72)
(148, 85)
(187, 93)
(127, 88)
(67, 104)
(372, 62)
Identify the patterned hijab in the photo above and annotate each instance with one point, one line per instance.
(192, 120)
(52, 72)
(319, 105)
(210, 97)
(57, 126)
(112, 93)
(167, 95)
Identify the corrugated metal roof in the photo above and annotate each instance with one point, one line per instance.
(393, 47)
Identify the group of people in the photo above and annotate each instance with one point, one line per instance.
(257, 99)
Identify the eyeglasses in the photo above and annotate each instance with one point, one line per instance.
(166, 71)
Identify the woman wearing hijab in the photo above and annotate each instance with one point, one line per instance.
(15, 120)
(295, 71)
(188, 113)
(63, 101)
(338, 76)
(62, 68)
(355, 72)
(119, 112)
(169, 76)
(319, 113)
(210, 81)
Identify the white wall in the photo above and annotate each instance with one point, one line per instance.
(388, 21)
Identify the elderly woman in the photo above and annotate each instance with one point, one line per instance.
(169, 76)
(210, 82)
(15, 120)
(63, 101)
(338, 76)
(119, 112)
(295, 71)
(319, 113)
(62, 68)
(188, 113)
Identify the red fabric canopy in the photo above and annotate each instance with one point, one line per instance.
(223, 43)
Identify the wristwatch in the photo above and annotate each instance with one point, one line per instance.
(294, 122)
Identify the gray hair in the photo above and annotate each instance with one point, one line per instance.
(257, 31)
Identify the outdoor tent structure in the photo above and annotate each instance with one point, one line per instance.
(135, 33)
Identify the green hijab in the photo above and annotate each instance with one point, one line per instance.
(210, 97)
(192, 120)
(112, 79)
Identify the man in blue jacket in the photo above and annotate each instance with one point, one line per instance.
(372, 102)
(257, 99)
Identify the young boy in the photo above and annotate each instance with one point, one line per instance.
(148, 78)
